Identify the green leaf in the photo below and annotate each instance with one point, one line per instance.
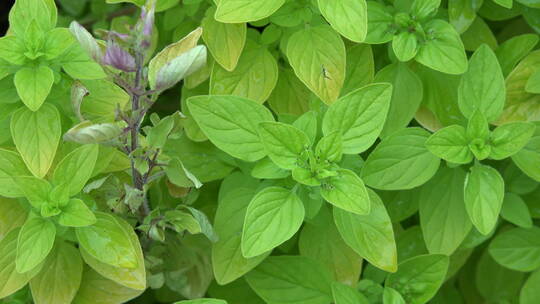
(217, 34)
(445, 52)
(533, 84)
(514, 49)
(359, 116)
(237, 11)
(443, 218)
(380, 22)
(330, 147)
(273, 216)
(254, 77)
(25, 11)
(360, 68)
(421, 9)
(348, 17)
(344, 294)
(59, 280)
(202, 301)
(267, 169)
(371, 235)
(517, 248)
(419, 278)
(12, 215)
(461, 13)
(34, 85)
(451, 144)
(87, 132)
(36, 136)
(510, 138)
(515, 210)
(346, 191)
(484, 194)
(180, 176)
(401, 161)
(477, 34)
(478, 135)
(178, 68)
(291, 279)
(495, 282)
(12, 50)
(76, 214)
(308, 123)
(521, 105)
(57, 42)
(108, 242)
(392, 296)
(134, 278)
(290, 96)
(227, 260)
(35, 241)
(11, 164)
(317, 55)
(76, 168)
(321, 241)
(482, 86)
(528, 156)
(96, 288)
(36, 190)
(283, 143)
(405, 46)
(10, 279)
(406, 96)
(529, 292)
(231, 123)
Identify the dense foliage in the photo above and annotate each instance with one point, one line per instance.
(270, 151)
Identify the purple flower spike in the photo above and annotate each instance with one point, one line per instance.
(119, 58)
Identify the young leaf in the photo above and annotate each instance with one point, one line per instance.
(59, 280)
(172, 51)
(76, 214)
(134, 278)
(380, 21)
(359, 116)
(34, 85)
(308, 123)
(179, 68)
(405, 46)
(445, 51)
(517, 248)
(24, 11)
(237, 11)
(36, 190)
(87, 132)
(76, 168)
(371, 236)
(419, 278)
(317, 55)
(348, 17)
(231, 123)
(291, 279)
(254, 77)
(108, 242)
(344, 294)
(35, 241)
(392, 296)
(217, 34)
(484, 194)
(443, 218)
(401, 161)
(482, 86)
(273, 216)
(451, 144)
(283, 143)
(330, 147)
(478, 135)
(178, 174)
(10, 279)
(346, 191)
(509, 139)
(36, 136)
(11, 164)
(227, 260)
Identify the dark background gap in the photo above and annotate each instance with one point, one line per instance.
(5, 6)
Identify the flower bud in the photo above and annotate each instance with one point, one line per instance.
(119, 58)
